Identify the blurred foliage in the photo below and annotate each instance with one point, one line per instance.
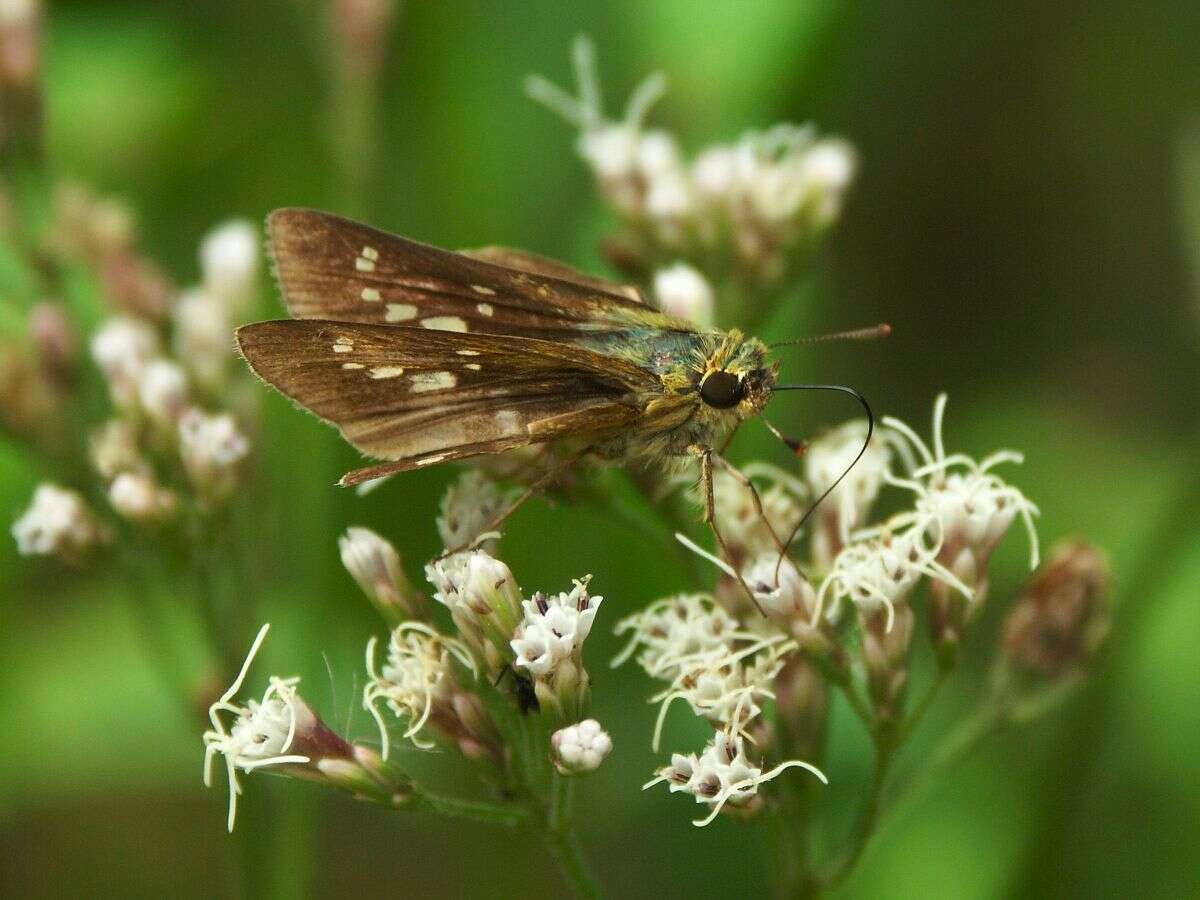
(1019, 219)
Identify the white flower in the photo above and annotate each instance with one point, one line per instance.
(57, 523)
(848, 504)
(211, 447)
(469, 505)
(484, 601)
(971, 506)
(724, 687)
(163, 390)
(229, 263)
(722, 774)
(580, 748)
(554, 629)
(138, 497)
(714, 172)
(262, 732)
(122, 347)
(202, 336)
(116, 448)
(828, 169)
(417, 676)
(881, 571)
(745, 531)
(779, 589)
(684, 293)
(676, 629)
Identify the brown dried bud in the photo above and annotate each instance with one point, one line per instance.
(1062, 617)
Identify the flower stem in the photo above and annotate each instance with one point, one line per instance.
(868, 818)
(510, 815)
(563, 840)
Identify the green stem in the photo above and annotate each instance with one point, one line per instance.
(564, 841)
(475, 810)
(868, 820)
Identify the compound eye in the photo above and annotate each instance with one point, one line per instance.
(722, 389)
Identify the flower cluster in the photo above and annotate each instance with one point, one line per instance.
(772, 615)
(745, 209)
(548, 645)
(165, 358)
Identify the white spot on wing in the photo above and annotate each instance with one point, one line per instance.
(467, 352)
(400, 312)
(432, 381)
(485, 309)
(353, 366)
(480, 289)
(430, 460)
(364, 265)
(370, 253)
(378, 372)
(370, 295)
(475, 367)
(445, 323)
(343, 345)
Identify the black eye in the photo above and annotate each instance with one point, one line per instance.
(722, 390)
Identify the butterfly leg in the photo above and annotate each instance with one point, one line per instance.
(706, 455)
(547, 478)
(744, 480)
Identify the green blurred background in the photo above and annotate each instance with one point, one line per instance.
(1028, 219)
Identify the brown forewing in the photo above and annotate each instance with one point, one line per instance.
(421, 396)
(332, 268)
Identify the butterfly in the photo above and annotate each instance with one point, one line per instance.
(422, 356)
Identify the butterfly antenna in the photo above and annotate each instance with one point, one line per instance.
(882, 330)
(829, 490)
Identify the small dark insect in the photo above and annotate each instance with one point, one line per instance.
(422, 356)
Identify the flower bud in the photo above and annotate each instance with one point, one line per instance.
(138, 498)
(374, 563)
(229, 263)
(885, 654)
(212, 449)
(1062, 617)
(469, 506)
(203, 337)
(115, 448)
(58, 523)
(580, 748)
(122, 348)
(163, 391)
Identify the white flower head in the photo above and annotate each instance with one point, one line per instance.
(580, 748)
(262, 732)
(831, 455)
(725, 687)
(417, 677)
(139, 498)
(202, 337)
(722, 775)
(484, 600)
(469, 506)
(880, 571)
(57, 523)
(122, 348)
(746, 531)
(554, 628)
(116, 448)
(163, 390)
(683, 292)
(677, 629)
(229, 263)
(211, 447)
(779, 588)
(970, 506)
